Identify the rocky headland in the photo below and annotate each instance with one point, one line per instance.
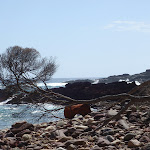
(80, 91)
(85, 89)
(140, 77)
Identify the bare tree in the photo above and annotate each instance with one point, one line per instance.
(21, 69)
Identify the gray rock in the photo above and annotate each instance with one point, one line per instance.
(116, 142)
(49, 128)
(75, 142)
(60, 148)
(146, 147)
(60, 123)
(110, 138)
(37, 148)
(103, 142)
(81, 127)
(77, 133)
(60, 133)
(71, 147)
(122, 123)
(65, 138)
(96, 147)
(107, 131)
(145, 139)
(112, 112)
(26, 137)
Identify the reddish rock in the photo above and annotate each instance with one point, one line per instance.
(71, 111)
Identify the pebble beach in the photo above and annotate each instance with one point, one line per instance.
(130, 132)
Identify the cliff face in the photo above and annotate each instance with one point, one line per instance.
(141, 77)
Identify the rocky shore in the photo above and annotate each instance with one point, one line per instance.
(140, 77)
(130, 132)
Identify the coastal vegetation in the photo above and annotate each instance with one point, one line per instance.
(22, 68)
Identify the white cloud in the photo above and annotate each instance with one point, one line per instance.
(128, 26)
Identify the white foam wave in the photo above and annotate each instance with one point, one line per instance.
(96, 81)
(5, 102)
(52, 84)
(36, 111)
(137, 83)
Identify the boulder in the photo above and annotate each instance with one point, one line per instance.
(71, 111)
(134, 143)
(19, 127)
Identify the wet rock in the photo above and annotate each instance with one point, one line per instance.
(129, 136)
(110, 138)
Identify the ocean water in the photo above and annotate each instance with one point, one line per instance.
(9, 114)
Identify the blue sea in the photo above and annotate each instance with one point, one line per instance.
(9, 114)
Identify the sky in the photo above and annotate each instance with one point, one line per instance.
(88, 38)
